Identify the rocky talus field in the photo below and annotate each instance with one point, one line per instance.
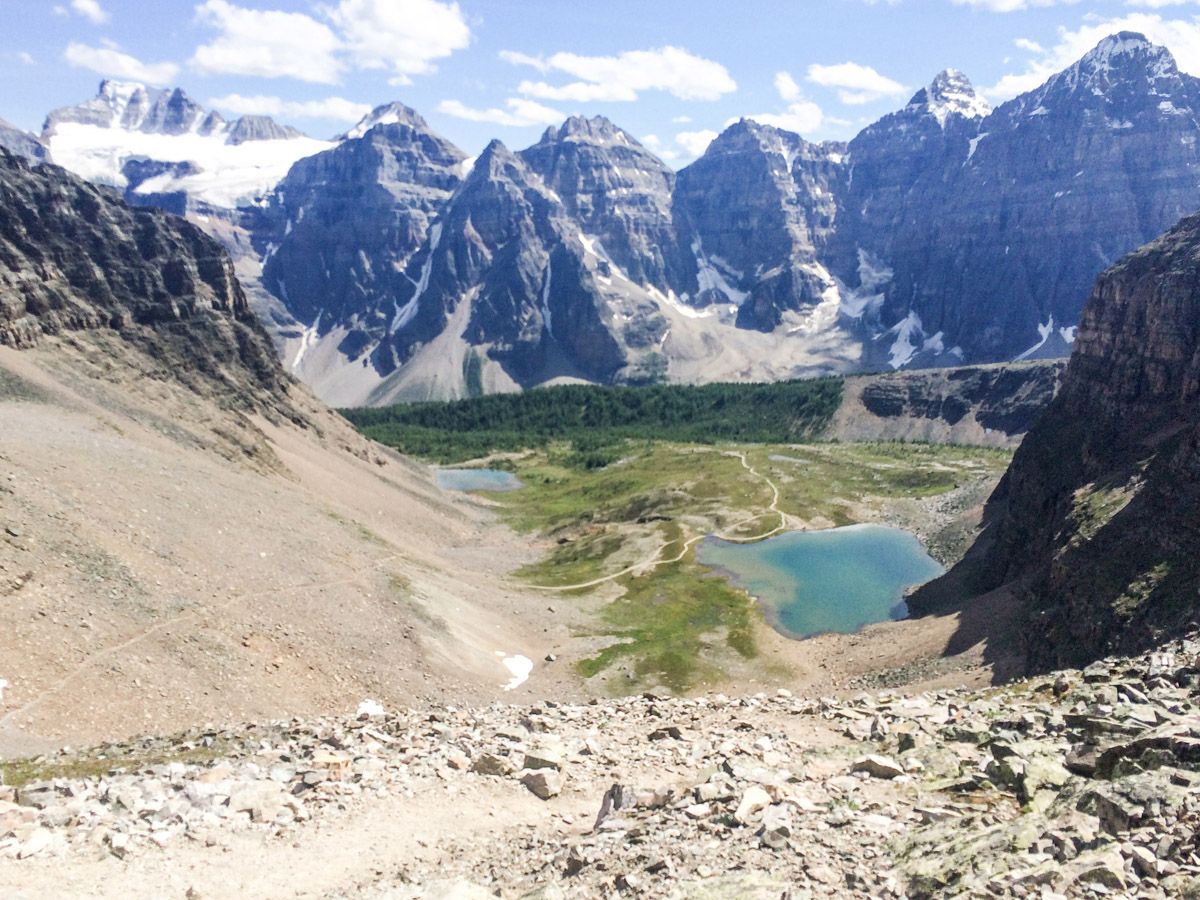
(1077, 783)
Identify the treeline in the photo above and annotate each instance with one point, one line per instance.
(594, 417)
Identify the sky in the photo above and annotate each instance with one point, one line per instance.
(672, 73)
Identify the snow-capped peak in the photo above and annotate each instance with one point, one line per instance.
(950, 94)
(151, 141)
(388, 114)
(1117, 53)
(1123, 69)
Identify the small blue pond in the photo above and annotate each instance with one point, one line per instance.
(810, 582)
(477, 480)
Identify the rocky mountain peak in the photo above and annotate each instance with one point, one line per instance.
(130, 106)
(748, 135)
(1124, 70)
(496, 161)
(950, 93)
(596, 129)
(394, 113)
(260, 128)
(1124, 45)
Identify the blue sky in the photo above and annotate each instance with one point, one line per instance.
(670, 72)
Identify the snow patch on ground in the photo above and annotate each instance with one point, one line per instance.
(873, 275)
(1044, 332)
(307, 340)
(825, 314)
(904, 347)
(975, 145)
(710, 277)
(370, 709)
(671, 300)
(405, 313)
(519, 667)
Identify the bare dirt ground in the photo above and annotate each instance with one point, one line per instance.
(148, 582)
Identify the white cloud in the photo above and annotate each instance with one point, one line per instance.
(523, 59)
(802, 118)
(855, 83)
(520, 113)
(682, 120)
(1180, 36)
(113, 62)
(1005, 6)
(656, 144)
(624, 76)
(26, 59)
(579, 91)
(402, 36)
(695, 143)
(1031, 46)
(801, 115)
(266, 44)
(91, 10)
(786, 85)
(337, 108)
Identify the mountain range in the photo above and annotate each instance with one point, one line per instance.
(392, 266)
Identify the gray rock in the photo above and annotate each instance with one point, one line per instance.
(544, 783)
(878, 766)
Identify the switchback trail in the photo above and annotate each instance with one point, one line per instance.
(655, 560)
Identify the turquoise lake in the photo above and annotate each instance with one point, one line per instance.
(812, 582)
(477, 480)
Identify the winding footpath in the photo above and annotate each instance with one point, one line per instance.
(655, 559)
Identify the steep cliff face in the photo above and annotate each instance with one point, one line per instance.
(75, 259)
(343, 227)
(618, 193)
(508, 272)
(992, 405)
(756, 210)
(1096, 524)
(1032, 202)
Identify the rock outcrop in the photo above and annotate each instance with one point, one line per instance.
(617, 192)
(992, 405)
(1094, 527)
(21, 143)
(76, 259)
(510, 269)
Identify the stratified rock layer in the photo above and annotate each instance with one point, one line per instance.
(74, 258)
(1097, 523)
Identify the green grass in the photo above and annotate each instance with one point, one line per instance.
(671, 622)
(1138, 591)
(575, 562)
(1095, 506)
